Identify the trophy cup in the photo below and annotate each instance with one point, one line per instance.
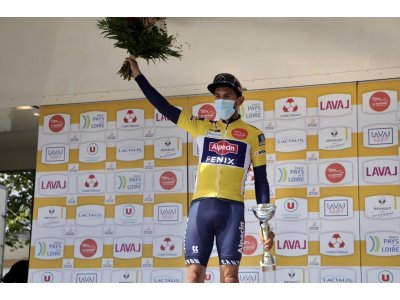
(264, 212)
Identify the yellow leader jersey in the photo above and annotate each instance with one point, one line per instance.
(225, 154)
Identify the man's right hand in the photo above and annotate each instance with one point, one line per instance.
(131, 60)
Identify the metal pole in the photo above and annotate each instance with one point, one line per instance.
(3, 215)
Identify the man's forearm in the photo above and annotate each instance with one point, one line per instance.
(261, 184)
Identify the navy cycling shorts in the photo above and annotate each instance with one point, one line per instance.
(219, 218)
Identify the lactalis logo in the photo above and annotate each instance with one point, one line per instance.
(53, 185)
(383, 243)
(49, 248)
(249, 275)
(380, 136)
(167, 246)
(168, 181)
(334, 138)
(92, 152)
(125, 276)
(129, 182)
(130, 118)
(336, 243)
(290, 108)
(56, 124)
(205, 110)
(55, 154)
(290, 140)
(333, 105)
(291, 244)
(88, 248)
(290, 275)
(128, 214)
(168, 213)
(338, 275)
(291, 174)
(128, 247)
(51, 216)
(336, 173)
(379, 101)
(291, 209)
(336, 207)
(86, 276)
(167, 276)
(47, 277)
(252, 110)
(168, 148)
(91, 183)
(93, 121)
(162, 121)
(381, 171)
(130, 150)
(382, 207)
(89, 215)
(383, 276)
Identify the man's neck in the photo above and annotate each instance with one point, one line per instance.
(235, 117)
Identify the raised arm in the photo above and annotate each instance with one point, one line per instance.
(155, 98)
(261, 184)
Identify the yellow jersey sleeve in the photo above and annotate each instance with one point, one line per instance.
(258, 152)
(194, 125)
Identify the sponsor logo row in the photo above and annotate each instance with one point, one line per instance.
(94, 183)
(124, 247)
(333, 208)
(124, 214)
(127, 150)
(285, 108)
(284, 275)
(337, 173)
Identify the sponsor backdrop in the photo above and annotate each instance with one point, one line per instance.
(110, 195)
(114, 181)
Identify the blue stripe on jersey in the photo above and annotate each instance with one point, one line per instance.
(224, 152)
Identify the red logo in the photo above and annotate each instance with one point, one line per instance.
(290, 106)
(207, 111)
(167, 245)
(250, 245)
(129, 211)
(240, 133)
(88, 248)
(130, 117)
(91, 182)
(168, 180)
(336, 241)
(209, 276)
(290, 205)
(250, 174)
(223, 147)
(379, 101)
(47, 277)
(56, 123)
(335, 172)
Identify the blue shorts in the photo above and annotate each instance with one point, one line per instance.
(219, 218)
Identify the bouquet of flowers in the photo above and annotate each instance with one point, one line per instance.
(141, 37)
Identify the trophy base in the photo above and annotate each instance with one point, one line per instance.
(267, 268)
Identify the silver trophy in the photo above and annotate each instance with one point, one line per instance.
(264, 212)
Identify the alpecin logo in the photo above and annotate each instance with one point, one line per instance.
(223, 147)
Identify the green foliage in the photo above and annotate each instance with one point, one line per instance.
(19, 187)
(141, 37)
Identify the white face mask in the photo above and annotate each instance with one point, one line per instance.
(225, 108)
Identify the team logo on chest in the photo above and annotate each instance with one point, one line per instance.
(224, 152)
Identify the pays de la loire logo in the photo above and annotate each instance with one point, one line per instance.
(223, 147)
(167, 245)
(56, 123)
(336, 241)
(290, 106)
(130, 117)
(379, 101)
(91, 182)
(168, 180)
(335, 172)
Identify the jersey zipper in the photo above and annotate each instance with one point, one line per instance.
(219, 166)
